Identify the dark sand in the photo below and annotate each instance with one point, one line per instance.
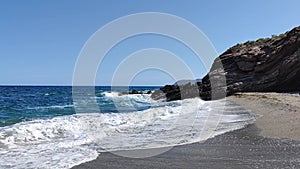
(240, 149)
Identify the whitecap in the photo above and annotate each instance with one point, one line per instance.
(66, 141)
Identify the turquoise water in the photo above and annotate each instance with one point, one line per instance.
(24, 103)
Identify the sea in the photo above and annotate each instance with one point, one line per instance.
(45, 127)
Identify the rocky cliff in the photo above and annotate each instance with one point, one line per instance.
(264, 65)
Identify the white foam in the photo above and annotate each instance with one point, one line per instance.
(53, 143)
(65, 141)
(129, 101)
(111, 94)
(136, 97)
(52, 107)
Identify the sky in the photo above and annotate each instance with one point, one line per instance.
(40, 41)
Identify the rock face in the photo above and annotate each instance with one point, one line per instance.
(265, 65)
(175, 92)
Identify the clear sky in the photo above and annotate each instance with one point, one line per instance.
(41, 40)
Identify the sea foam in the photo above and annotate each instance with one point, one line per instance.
(65, 141)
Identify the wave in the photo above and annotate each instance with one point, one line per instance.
(51, 107)
(128, 102)
(135, 97)
(66, 141)
(111, 94)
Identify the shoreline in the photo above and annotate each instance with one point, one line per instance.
(259, 145)
(243, 148)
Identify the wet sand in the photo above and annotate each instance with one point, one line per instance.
(268, 143)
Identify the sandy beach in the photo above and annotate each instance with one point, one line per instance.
(273, 141)
(280, 112)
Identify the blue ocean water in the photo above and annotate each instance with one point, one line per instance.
(24, 103)
(58, 127)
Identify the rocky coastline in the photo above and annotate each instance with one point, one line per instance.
(265, 65)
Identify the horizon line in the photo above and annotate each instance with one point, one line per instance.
(69, 85)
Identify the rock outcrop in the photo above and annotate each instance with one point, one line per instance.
(265, 65)
(176, 92)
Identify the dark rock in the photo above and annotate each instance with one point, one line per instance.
(265, 65)
(273, 64)
(175, 92)
(134, 92)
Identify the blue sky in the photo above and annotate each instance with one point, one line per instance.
(41, 40)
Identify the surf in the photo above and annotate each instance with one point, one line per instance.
(66, 141)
